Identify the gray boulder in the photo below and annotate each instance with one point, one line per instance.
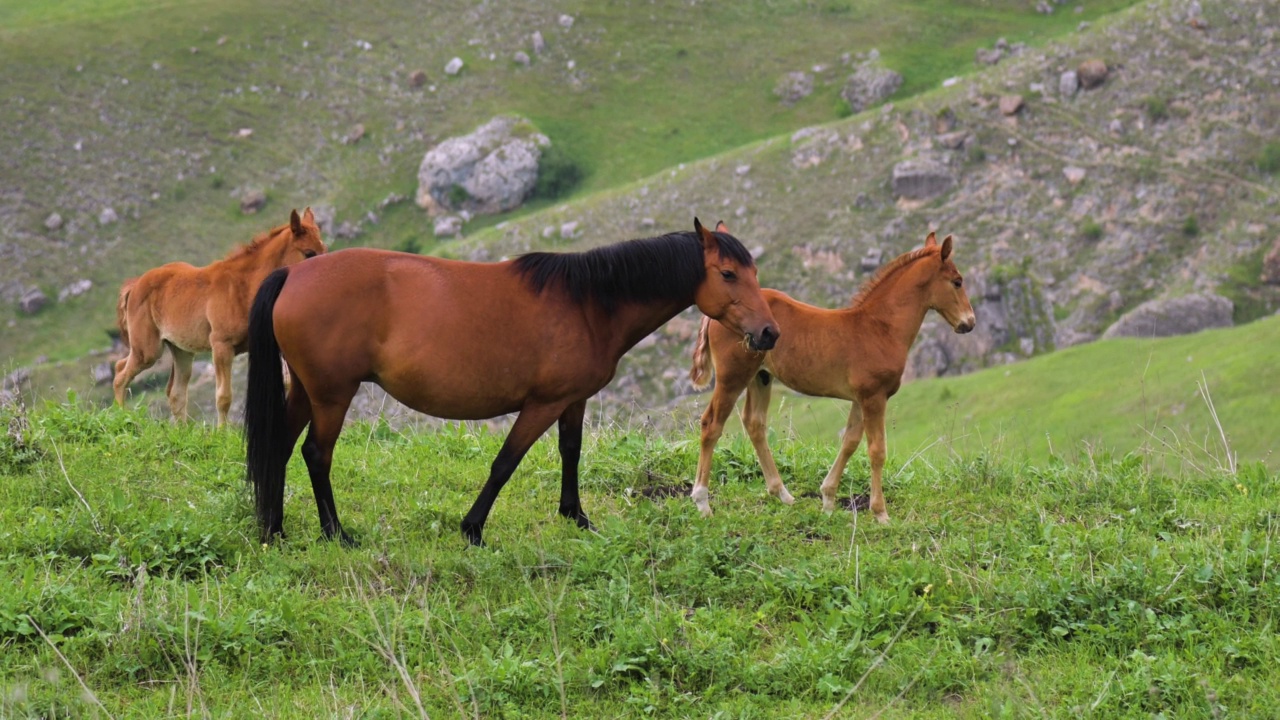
(53, 222)
(33, 301)
(75, 289)
(489, 171)
(794, 87)
(921, 179)
(1178, 316)
(870, 84)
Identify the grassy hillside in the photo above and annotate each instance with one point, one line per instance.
(1107, 398)
(131, 579)
(135, 105)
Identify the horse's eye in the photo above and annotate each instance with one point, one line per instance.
(957, 282)
(308, 254)
(728, 275)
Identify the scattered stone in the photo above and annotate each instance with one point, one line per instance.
(347, 230)
(1271, 265)
(944, 121)
(868, 85)
(794, 87)
(1073, 174)
(324, 215)
(447, 226)
(742, 170)
(872, 260)
(394, 198)
(1068, 83)
(107, 216)
(222, 40)
(521, 57)
(569, 230)
(252, 200)
(647, 223)
(921, 179)
(354, 134)
(32, 301)
(566, 21)
(53, 222)
(1011, 104)
(1043, 7)
(417, 79)
(1092, 73)
(1115, 126)
(988, 56)
(103, 373)
(490, 170)
(1178, 316)
(954, 140)
(539, 45)
(741, 211)
(1002, 44)
(453, 67)
(75, 289)
(244, 133)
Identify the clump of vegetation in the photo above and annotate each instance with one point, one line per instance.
(558, 174)
(1190, 227)
(976, 154)
(1269, 158)
(457, 196)
(1091, 230)
(409, 244)
(1157, 109)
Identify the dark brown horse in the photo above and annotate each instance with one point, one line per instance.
(856, 353)
(189, 310)
(537, 335)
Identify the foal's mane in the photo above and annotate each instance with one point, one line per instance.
(256, 243)
(659, 268)
(884, 272)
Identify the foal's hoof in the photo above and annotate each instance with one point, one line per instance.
(785, 497)
(882, 517)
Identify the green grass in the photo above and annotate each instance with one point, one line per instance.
(653, 86)
(1002, 588)
(1124, 395)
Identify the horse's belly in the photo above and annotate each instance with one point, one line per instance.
(452, 400)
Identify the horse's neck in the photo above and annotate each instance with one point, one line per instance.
(253, 267)
(633, 322)
(898, 304)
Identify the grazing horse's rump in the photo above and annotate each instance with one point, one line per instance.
(856, 353)
(537, 335)
(191, 310)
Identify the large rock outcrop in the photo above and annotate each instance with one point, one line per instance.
(489, 171)
(1179, 316)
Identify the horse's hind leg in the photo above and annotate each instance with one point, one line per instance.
(317, 451)
(570, 451)
(532, 422)
(224, 353)
(755, 418)
(179, 379)
(848, 445)
(144, 350)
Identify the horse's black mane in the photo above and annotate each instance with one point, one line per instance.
(666, 267)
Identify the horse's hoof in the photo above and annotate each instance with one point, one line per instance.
(785, 497)
(882, 517)
(705, 509)
(828, 505)
(473, 534)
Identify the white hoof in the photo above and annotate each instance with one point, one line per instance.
(701, 499)
(785, 497)
(828, 505)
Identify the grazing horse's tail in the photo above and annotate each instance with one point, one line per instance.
(700, 373)
(265, 427)
(122, 309)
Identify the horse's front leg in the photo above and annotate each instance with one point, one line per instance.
(848, 446)
(570, 453)
(873, 411)
(755, 418)
(529, 426)
(224, 352)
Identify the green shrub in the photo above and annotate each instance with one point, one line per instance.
(1191, 226)
(409, 244)
(1269, 159)
(1091, 230)
(456, 196)
(558, 174)
(1157, 109)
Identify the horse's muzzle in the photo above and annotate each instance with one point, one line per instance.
(967, 324)
(768, 338)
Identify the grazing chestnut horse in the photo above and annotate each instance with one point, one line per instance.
(537, 335)
(856, 353)
(191, 310)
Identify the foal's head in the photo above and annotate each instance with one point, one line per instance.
(946, 288)
(731, 292)
(303, 238)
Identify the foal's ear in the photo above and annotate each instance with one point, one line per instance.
(931, 240)
(721, 227)
(709, 241)
(308, 216)
(295, 222)
(946, 248)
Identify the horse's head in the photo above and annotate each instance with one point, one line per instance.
(730, 292)
(946, 289)
(304, 241)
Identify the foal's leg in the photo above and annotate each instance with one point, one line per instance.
(729, 386)
(529, 426)
(317, 451)
(755, 418)
(144, 350)
(179, 378)
(223, 353)
(570, 451)
(873, 410)
(848, 446)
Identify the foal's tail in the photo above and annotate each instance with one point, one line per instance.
(265, 427)
(122, 309)
(700, 373)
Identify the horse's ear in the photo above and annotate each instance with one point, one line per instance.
(308, 216)
(295, 222)
(721, 227)
(946, 248)
(709, 241)
(931, 240)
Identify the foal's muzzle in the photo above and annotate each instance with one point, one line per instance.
(767, 339)
(966, 324)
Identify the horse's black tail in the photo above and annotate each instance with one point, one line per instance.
(265, 427)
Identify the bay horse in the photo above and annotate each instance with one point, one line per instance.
(856, 353)
(537, 335)
(189, 310)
